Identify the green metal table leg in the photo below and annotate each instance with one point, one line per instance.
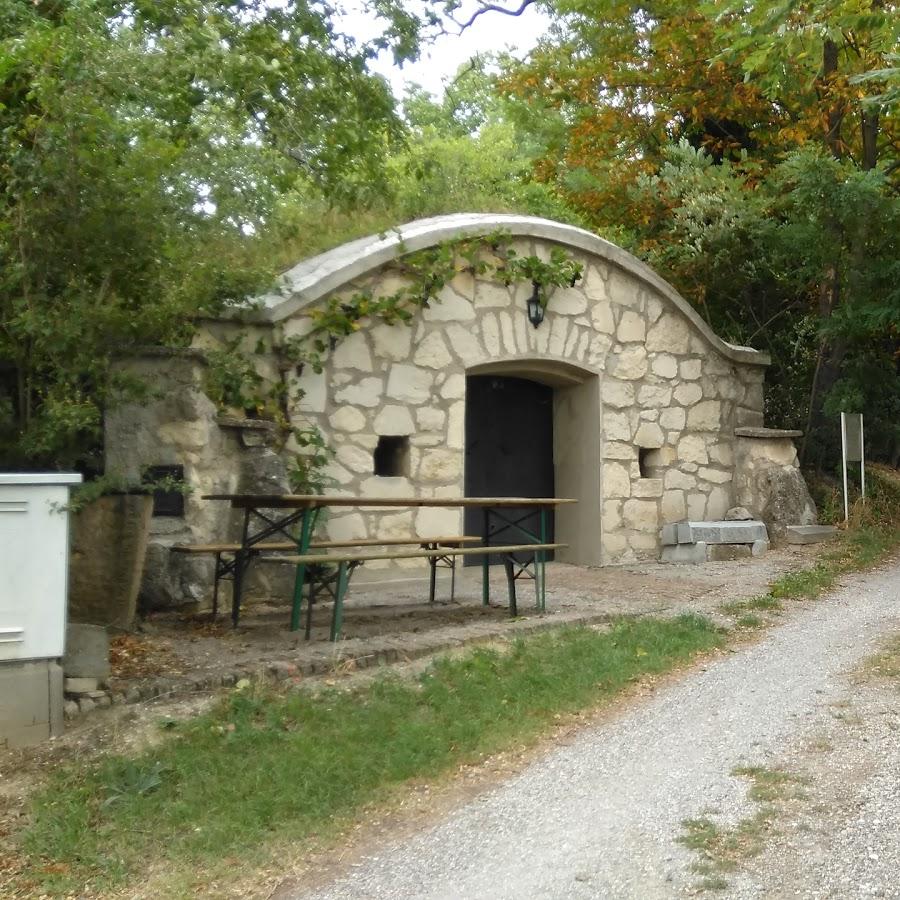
(337, 617)
(306, 527)
(485, 561)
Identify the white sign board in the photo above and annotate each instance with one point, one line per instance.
(852, 450)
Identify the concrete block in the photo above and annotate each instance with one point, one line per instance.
(713, 533)
(31, 702)
(87, 652)
(81, 685)
(757, 548)
(810, 534)
(719, 532)
(684, 554)
(727, 552)
(668, 535)
(56, 698)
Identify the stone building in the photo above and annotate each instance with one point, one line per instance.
(622, 398)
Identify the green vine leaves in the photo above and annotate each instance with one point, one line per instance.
(233, 380)
(426, 273)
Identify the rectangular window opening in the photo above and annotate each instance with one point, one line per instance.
(644, 461)
(166, 501)
(391, 456)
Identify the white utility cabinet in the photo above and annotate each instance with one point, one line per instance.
(34, 550)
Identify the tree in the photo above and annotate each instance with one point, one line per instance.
(748, 84)
(144, 147)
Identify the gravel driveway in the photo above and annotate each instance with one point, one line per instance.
(599, 817)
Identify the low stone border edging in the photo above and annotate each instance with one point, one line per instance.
(385, 652)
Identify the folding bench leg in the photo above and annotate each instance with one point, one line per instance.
(337, 617)
(511, 585)
(218, 578)
(310, 600)
(240, 566)
(452, 578)
(433, 564)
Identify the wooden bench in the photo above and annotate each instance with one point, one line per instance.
(226, 557)
(347, 561)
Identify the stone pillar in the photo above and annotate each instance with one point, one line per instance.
(768, 481)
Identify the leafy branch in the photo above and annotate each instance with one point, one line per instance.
(233, 380)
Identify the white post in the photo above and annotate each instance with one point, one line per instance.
(844, 465)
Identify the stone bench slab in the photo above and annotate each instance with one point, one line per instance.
(810, 534)
(713, 533)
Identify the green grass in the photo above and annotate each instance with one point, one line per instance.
(886, 663)
(265, 765)
(722, 850)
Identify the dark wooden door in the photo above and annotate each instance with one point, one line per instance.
(509, 449)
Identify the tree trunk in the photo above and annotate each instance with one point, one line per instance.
(869, 126)
(835, 114)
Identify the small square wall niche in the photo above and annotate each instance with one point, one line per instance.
(391, 456)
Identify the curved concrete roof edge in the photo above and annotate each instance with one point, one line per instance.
(313, 278)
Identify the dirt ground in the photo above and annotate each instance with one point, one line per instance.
(185, 650)
(393, 612)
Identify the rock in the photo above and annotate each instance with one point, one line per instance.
(672, 419)
(713, 532)
(810, 534)
(632, 327)
(783, 499)
(347, 418)
(71, 709)
(86, 705)
(738, 514)
(727, 552)
(367, 392)
(394, 420)
(80, 685)
(392, 341)
(684, 554)
(353, 353)
(87, 654)
(409, 384)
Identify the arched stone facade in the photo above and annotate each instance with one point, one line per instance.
(633, 368)
(646, 397)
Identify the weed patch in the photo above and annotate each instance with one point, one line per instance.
(722, 850)
(886, 663)
(264, 765)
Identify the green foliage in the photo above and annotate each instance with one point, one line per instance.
(299, 764)
(143, 151)
(749, 247)
(233, 380)
(87, 492)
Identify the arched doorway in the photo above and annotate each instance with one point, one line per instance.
(509, 448)
(533, 429)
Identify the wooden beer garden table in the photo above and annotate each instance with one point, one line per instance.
(294, 516)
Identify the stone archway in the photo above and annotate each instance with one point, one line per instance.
(577, 441)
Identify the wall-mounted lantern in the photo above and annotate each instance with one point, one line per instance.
(535, 307)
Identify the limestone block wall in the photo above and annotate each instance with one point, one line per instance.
(768, 481)
(646, 400)
(669, 398)
(177, 424)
